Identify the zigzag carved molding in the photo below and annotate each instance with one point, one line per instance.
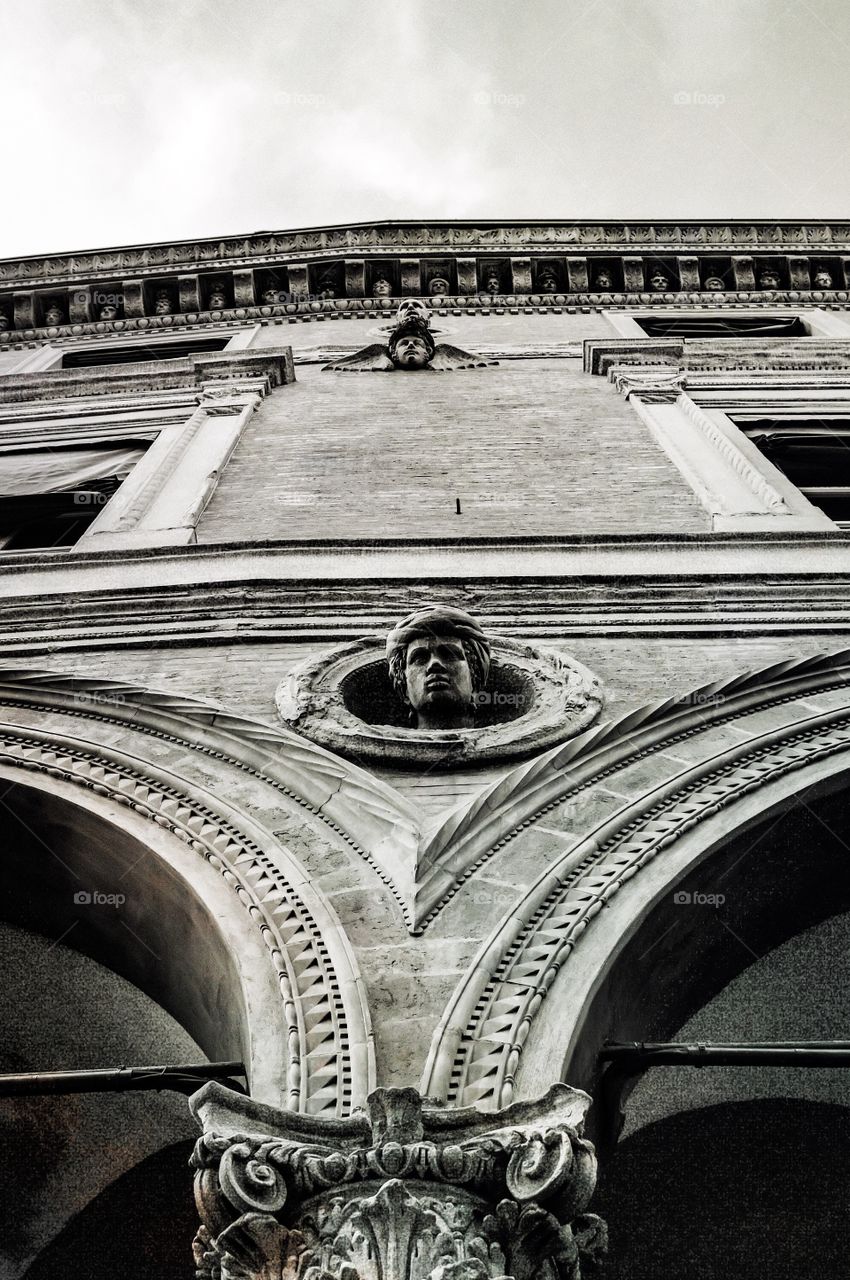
(476, 1051)
(329, 1040)
(423, 865)
(378, 822)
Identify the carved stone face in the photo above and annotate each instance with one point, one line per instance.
(269, 297)
(412, 309)
(382, 288)
(546, 281)
(823, 280)
(768, 280)
(438, 682)
(217, 299)
(411, 352)
(439, 287)
(715, 284)
(53, 316)
(603, 280)
(162, 305)
(493, 284)
(658, 282)
(109, 311)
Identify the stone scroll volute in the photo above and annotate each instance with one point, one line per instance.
(401, 1191)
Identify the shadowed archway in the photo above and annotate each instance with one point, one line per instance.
(731, 1192)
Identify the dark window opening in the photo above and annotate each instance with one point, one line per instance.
(725, 326)
(85, 357)
(814, 454)
(50, 496)
(44, 520)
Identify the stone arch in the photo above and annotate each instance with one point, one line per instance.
(251, 956)
(683, 776)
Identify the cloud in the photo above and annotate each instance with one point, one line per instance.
(167, 120)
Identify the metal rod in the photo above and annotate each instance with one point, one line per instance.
(791, 1053)
(182, 1079)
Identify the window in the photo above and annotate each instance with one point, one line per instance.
(50, 496)
(113, 460)
(69, 353)
(727, 325)
(814, 454)
(744, 322)
(761, 434)
(85, 357)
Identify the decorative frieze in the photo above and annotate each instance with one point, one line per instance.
(623, 265)
(401, 1191)
(383, 238)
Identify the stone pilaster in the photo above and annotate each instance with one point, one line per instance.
(405, 1190)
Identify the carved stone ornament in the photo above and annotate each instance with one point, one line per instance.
(409, 347)
(401, 1191)
(344, 699)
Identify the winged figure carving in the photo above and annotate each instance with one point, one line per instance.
(410, 345)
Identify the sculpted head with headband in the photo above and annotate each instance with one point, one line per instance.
(439, 659)
(411, 345)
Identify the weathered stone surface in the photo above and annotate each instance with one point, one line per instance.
(404, 1191)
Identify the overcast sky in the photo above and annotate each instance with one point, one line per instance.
(139, 120)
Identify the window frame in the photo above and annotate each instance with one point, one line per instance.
(686, 393)
(197, 418)
(819, 322)
(49, 357)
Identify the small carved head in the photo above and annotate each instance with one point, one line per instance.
(413, 309)
(603, 280)
(658, 281)
(492, 283)
(217, 298)
(439, 287)
(769, 279)
(327, 285)
(411, 345)
(54, 315)
(108, 311)
(714, 284)
(822, 280)
(270, 297)
(162, 303)
(547, 281)
(382, 288)
(439, 658)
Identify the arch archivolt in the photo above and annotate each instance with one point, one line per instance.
(682, 775)
(323, 1061)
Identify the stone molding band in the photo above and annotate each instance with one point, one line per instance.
(329, 1049)
(477, 1049)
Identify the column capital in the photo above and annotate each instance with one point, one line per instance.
(405, 1189)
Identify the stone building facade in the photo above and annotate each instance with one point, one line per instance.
(228, 841)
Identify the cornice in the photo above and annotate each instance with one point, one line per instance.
(780, 358)
(340, 309)
(197, 278)
(322, 613)
(269, 366)
(432, 236)
(741, 584)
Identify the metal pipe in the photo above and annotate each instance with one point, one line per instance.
(790, 1053)
(182, 1079)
